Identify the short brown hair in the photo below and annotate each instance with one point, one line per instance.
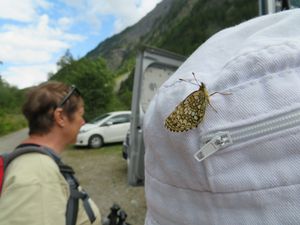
(41, 102)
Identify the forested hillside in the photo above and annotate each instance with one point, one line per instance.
(175, 25)
(205, 19)
(10, 107)
(92, 78)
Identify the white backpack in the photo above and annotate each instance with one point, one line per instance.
(241, 164)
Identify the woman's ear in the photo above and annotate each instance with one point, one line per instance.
(59, 117)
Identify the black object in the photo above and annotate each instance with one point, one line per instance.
(285, 5)
(122, 217)
(117, 216)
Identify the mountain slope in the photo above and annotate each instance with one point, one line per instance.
(176, 25)
(205, 19)
(122, 46)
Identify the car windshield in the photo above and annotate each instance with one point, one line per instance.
(97, 119)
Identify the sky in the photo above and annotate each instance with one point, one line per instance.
(35, 34)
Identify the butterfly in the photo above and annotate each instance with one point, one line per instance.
(190, 112)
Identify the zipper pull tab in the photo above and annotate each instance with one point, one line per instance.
(219, 141)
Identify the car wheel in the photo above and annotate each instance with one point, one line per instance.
(95, 141)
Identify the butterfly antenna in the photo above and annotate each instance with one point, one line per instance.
(196, 79)
(187, 81)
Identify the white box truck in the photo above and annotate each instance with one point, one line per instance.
(153, 67)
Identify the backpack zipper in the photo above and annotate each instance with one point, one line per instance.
(222, 139)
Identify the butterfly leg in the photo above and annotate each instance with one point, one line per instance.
(221, 93)
(212, 106)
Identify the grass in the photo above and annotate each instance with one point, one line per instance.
(106, 149)
(11, 122)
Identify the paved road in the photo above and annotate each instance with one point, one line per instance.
(10, 141)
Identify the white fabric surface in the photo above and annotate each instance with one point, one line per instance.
(255, 182)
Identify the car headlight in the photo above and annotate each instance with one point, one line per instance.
(82, 131)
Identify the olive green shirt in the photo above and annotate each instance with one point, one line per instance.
(35, 193)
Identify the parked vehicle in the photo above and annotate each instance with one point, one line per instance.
(126, 145)
(153, 68)
(107, 128)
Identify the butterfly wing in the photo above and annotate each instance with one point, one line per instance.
(189, 113)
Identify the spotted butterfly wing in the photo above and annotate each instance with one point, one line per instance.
(190, 112)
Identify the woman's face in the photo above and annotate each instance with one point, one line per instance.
(75, 123)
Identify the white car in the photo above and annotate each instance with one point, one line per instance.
(108, 128)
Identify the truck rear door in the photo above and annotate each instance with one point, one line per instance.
(153, 67)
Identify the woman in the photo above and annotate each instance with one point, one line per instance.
(34, 190)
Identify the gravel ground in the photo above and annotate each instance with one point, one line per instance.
(10, 141)
(103, 174)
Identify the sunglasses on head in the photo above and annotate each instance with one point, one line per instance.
(73, 90)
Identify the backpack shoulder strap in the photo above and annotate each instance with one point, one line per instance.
(9, 157)
(75, 195)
